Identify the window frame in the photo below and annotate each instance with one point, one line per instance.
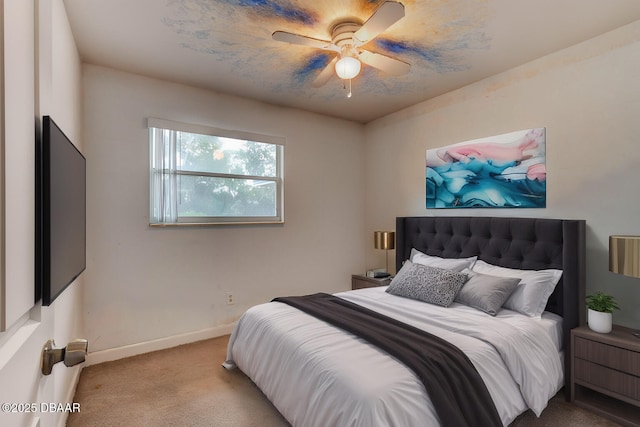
(156, 221)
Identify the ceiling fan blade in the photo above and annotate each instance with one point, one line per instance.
(384, 63)
(385, 16)
(326, 73)
(283, 36)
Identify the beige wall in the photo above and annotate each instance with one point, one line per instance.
(343, 181)
(145, 284)
(62, 100)
(587, 97)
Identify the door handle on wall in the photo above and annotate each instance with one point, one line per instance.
(75, 352)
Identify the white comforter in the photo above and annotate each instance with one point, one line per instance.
(319, 375)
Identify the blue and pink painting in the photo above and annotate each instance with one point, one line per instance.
(502, 171)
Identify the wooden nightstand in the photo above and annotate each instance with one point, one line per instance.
(605, 373)
(359, 281)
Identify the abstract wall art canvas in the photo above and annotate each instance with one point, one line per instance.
(503, 171)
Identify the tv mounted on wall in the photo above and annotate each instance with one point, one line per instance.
(60, 212)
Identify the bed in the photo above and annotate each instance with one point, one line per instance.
(316, 374)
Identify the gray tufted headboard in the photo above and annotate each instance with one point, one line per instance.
(523, 243)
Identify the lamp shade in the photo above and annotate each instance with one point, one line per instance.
(384, 239)
(347, 67)
(624, 255)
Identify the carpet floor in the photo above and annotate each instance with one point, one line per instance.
(187, 386)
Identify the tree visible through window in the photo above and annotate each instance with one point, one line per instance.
(205, 175)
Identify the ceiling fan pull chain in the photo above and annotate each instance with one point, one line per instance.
(349, 94)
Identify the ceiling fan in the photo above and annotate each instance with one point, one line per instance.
(347, 37)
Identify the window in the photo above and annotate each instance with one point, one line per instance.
(202, 175)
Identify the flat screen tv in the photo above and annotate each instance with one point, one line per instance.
(60, 212)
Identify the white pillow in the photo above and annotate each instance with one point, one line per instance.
(455, 264)
(532, 293)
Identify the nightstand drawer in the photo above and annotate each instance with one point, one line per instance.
(605, 373)
(359, 282)
(613, 357)
(608, 379)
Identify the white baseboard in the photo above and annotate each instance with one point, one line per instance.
(71, 392)
(159, 344)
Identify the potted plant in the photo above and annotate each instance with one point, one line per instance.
(600, 307)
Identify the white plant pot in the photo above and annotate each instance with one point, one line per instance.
(599, 321)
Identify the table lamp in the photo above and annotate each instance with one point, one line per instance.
(624, 257)
(385, 240)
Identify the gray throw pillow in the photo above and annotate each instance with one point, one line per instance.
(429, 284)
(485, 292)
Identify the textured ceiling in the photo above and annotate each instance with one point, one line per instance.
(226, 45)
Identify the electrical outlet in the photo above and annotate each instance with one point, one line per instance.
(229, 298)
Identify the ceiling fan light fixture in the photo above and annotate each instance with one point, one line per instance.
(348, 36)
(348, 67)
